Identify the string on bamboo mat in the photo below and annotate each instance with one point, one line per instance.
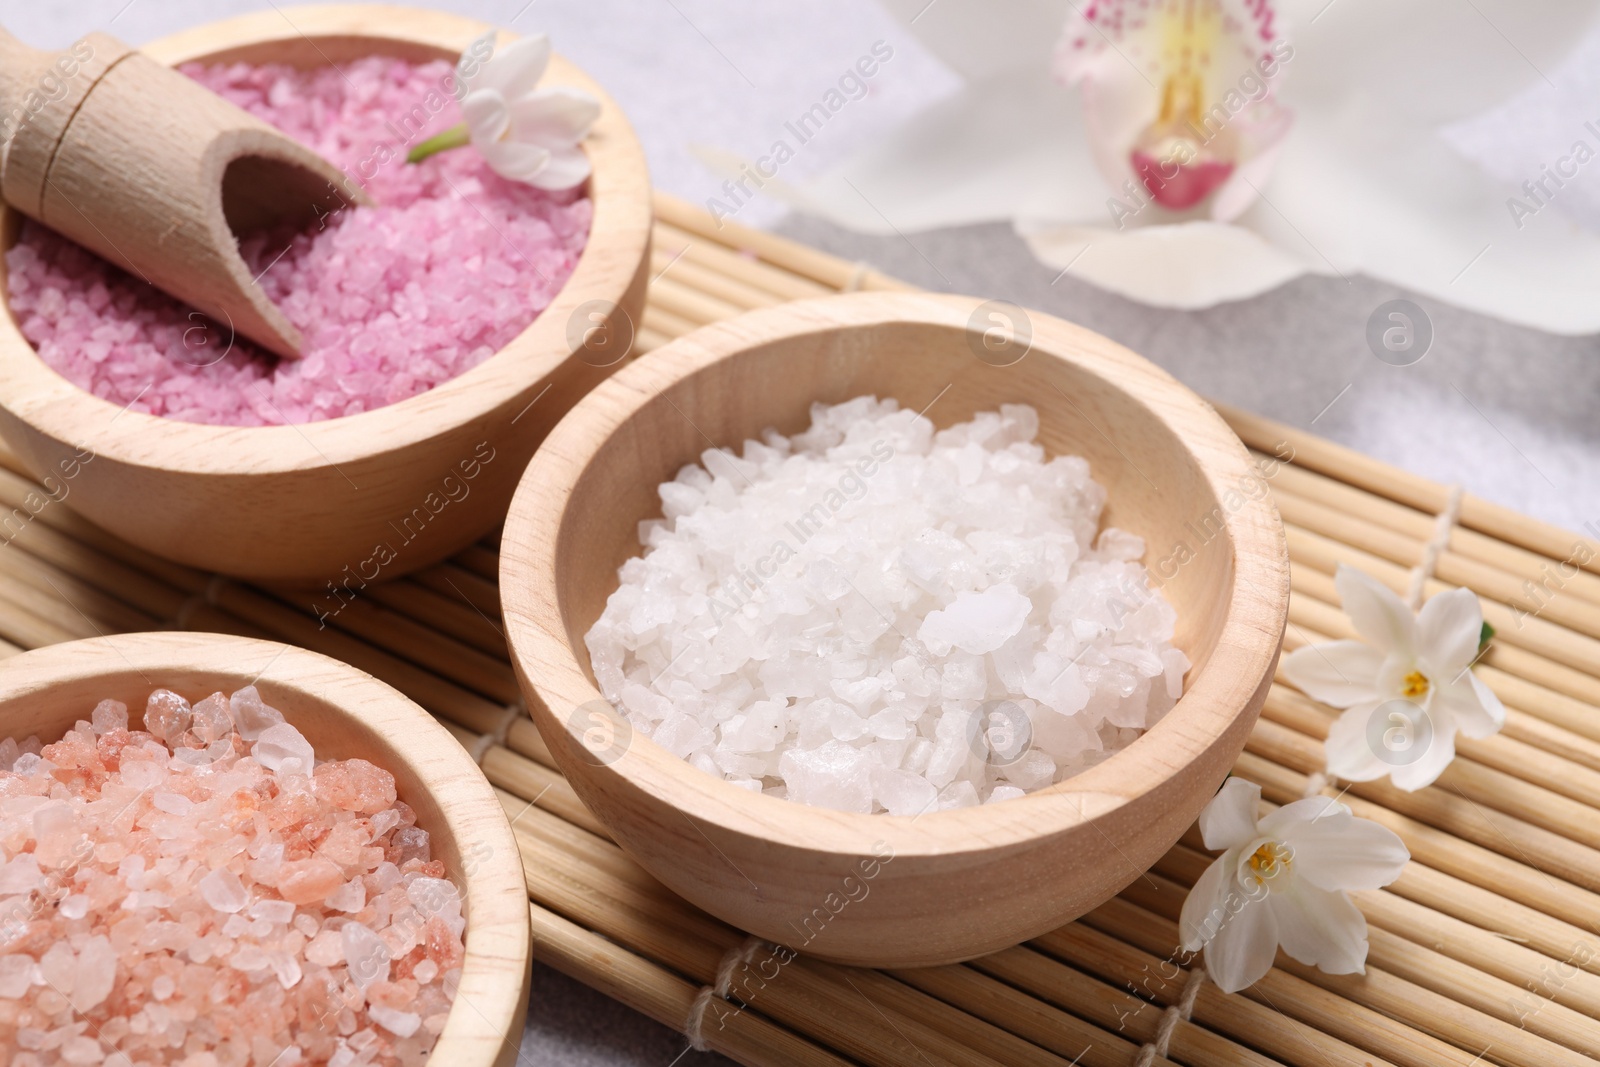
(732, 960)
(1156, 1047)
(857, 279)
(1435, 546)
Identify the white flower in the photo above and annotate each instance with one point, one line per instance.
(1282, 881)
(525, 133)
(1407, 685)
(1334, 163)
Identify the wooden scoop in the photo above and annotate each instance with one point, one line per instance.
(157, 174)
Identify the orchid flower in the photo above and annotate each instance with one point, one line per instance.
(525, 133)
(1283, 880)
(1408, 685)
(1189, 152)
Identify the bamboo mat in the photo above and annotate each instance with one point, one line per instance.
(1485, 951)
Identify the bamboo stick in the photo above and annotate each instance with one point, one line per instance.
(968, 1029)
(658, 993)
(448, 580)
(524, 778)
(666, 322)
(648, 340)
(524, 738)
(1575, 612)
(789, 255)
(1414, 490)
(452, 615)
(1287, 1016)
(39, 618)
(480, 672)
(1469, 544)
(106, 611)
(690, 304)
(1381, 993)
(1455, 877)
(482, 560)
(14, 490)
(1527, 631)
(1394, 953)
(1033, 981)
(443, 698)
(39, 541)
(716, 256)
(201, 616)
(1095, 1043)
(694, 276)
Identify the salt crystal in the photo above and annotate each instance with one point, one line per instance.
(399, 1023)
(976, 623)
(326, 949)
(59, 967)
(365, 954)
(277, 912)
(16, 976)
(55, 829)
(836, 617)
(20, 874)
(210, 719)
(166, 715)
(252, 715)
(308, 881)
(109, 715)
(223, 891)
(284, 749)
(172, 803)
(96, 974)
(349, 897)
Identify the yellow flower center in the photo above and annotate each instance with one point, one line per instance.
(1414, 684)
(1270, 860)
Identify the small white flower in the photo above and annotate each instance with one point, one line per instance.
(527, 134)
(1283, 881)
(1408, 685)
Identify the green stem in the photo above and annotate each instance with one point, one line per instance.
(454, 137)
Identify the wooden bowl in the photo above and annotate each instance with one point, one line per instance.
(344, 713)
(369, 495)
(883, 890)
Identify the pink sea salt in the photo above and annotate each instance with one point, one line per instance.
(175, 899)
(452, 264)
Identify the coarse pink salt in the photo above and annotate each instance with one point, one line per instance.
(392, 300)
(170, 897)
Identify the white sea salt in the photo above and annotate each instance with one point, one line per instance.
(875, 615)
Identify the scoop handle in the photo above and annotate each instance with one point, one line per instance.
(40, 92)
(20, 68)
